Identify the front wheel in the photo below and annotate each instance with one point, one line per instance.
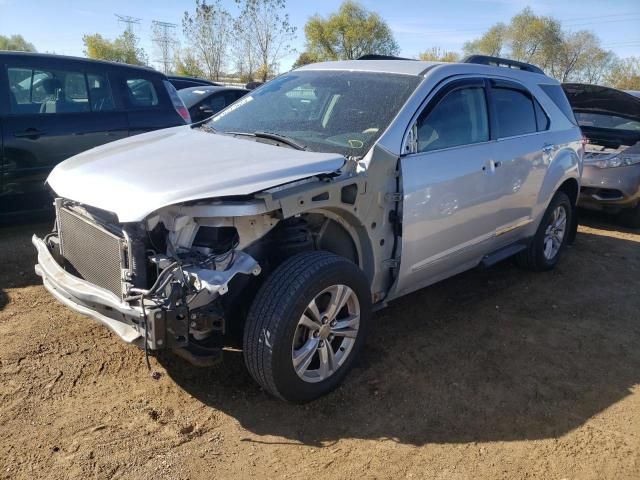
(544, 250)
(307, 325)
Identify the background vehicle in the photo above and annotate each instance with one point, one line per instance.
(610, 121)
(288, 216)
(181, 82)
(53, 107)
(203, 102)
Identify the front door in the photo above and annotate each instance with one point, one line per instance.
(450, 201)
(56, 110)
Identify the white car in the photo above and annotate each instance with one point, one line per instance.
(312, 200)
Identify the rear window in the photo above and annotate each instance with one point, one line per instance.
(141, 92)
(57, 91)
(514, 112)
(556, 94)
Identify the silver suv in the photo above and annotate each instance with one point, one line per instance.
(283, 221)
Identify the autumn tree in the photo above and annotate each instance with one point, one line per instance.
(349, 33)
(625, 74)
(123, 49)
(265, 33)
(305, 58)
(491, 43)
(186, 63)
(16, 43)
(437, 54)
(208, 33)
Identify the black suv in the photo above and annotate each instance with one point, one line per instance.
(53, 107)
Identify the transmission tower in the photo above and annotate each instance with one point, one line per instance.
(128, 21)
(164, 38)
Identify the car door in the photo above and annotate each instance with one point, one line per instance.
(57, 109)
(518, 118)
(449, 197)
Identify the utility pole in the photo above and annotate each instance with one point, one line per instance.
(128, 21)
(164, 38)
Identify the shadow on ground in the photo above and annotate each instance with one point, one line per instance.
(493, 355)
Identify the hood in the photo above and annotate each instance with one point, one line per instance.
(587, 98)
(138, 175)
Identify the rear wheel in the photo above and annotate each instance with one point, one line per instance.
(544, 250)
(307, 325)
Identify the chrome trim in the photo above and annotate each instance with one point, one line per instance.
(518, 223)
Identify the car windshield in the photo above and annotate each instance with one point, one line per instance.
(326, 111)
(601, 120)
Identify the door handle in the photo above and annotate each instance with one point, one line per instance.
(31, 133)
(548, 148)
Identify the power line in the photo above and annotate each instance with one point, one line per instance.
(128, 21)
(165, 40)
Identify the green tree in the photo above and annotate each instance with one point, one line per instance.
(208, 32)
(17, 43)
(123, 49)
(436, 54)
(305, 58)
(266, 31)
(625, 74)
(491, 43)
(349, 33)
(187, 64)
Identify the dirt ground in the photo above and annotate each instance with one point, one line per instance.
(493, 374)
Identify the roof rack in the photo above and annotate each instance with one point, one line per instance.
(374, 56)
(502, 62)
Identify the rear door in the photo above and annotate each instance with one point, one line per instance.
(450, 203)
(520, 162)
(57, 109)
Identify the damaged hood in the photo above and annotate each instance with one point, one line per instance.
(587, 98)
(138, 175)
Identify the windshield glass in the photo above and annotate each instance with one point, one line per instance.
(326, 111)
(601, 120)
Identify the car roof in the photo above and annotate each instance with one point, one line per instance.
(421, 68)
(45, 56)
(211, 88)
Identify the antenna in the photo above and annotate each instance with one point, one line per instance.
(164, 39)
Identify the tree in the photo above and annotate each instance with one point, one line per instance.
(123, 49)
(208, 32)
(16, 43)
(491, 43)
(436, 54)
(349, 33)
(305, 58)
(567, 56)
(625, 74)
(244, 51)
(264, 26)
(187, 64)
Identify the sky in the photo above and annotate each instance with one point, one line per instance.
(58, 26)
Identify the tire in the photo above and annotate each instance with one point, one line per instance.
(536, 256)
(275, 330)
(630, 217)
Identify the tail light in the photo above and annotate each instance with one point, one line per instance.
(177, 102)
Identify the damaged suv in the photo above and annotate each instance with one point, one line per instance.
(283, 221)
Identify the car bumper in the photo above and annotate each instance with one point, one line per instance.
(88, 299)
(610, 189)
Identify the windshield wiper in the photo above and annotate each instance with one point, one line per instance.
(280, 138)
(271, 136)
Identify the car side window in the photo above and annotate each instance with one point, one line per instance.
(100, 97)
(141, 93)
(460, 118)
(47, 91)
(514, 110)
(216, 102)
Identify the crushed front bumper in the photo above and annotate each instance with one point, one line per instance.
(88, 299)
(160, 326)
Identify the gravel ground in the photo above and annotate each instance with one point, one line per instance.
(496, 373)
